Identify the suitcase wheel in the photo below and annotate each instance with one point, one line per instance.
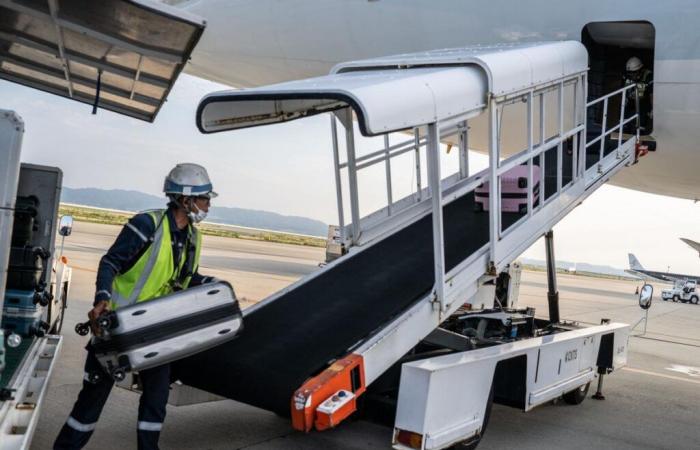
(37, 331)
(41, 298)
(118, 374)
(104, 322)
(82, 328)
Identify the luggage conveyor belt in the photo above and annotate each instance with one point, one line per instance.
(294, 337)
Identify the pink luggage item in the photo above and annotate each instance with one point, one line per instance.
(513, 191)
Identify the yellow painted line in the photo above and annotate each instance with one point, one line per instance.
(661, 375)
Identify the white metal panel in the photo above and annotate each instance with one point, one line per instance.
(11, 132)
(17, 425)
(444, 398)
(510, 67)
(399, 92)
(383, 100)
(133, 50)
(425, 394)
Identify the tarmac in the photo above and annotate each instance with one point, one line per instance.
(654, 402)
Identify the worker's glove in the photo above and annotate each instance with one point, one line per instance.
(99, 309)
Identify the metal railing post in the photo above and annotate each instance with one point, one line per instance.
(582, 143)
(416, 144)
(604, 127)
(622, 121)
(338, 179)
(433, 158)
(542, 154)
(352, 175)
(560, 146)
(388, 173)
(530, 144)
(463, 149)
(494, 185)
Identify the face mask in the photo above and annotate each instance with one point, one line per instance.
(197, 215)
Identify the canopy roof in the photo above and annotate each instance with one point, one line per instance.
(139, 46)
(400, 92)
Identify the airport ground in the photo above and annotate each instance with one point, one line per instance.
(652, 403)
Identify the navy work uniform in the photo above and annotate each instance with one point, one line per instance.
(150, 258)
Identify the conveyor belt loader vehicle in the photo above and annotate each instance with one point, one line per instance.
(412, 319)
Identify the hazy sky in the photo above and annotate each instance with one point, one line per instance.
(288, 169)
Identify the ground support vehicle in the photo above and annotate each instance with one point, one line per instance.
(683, 291)
(415, 309)
(30, 353)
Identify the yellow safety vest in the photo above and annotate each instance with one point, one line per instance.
(155, 274)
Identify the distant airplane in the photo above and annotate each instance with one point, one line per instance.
(637, 269)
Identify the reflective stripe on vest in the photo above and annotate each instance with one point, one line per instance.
(151, 276)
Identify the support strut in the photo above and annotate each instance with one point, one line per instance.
(552, 293)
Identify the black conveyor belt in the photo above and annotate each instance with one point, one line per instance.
(286, 341)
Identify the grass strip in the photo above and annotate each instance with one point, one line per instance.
(103, 216)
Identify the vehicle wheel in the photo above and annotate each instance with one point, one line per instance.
(471, 444)
(664, 299)
(118, 375)
(694, 300)
(578, 395)
(676, 298)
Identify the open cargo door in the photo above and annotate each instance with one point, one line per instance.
(120, 55)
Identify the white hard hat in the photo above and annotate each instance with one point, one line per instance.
(189, 179)
(634, 64)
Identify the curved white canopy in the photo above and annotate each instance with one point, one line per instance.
(399, 92)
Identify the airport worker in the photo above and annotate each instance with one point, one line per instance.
(641, 99)
(155, 254)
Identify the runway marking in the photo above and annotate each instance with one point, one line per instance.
(660, 375)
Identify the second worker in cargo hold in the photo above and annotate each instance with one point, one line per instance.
(156, 253)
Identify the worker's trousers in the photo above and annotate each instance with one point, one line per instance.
(96, 388)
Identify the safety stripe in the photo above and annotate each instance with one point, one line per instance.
(103, 291)
(82, 427)
(111, 264)
(148, 268)
(86, 377)
(149, 426)
(137, 231)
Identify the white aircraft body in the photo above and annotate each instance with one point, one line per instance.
(256, 42)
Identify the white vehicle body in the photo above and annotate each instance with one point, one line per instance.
(444, 400)
(684, 291)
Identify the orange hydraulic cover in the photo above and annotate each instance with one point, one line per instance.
(347, 373)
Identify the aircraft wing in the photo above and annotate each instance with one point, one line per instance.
(120, 55)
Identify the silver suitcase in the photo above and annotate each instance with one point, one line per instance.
(166, 329)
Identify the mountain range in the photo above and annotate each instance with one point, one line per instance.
(138, 201)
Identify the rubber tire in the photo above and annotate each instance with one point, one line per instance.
(471, 444)
(694, 300)
(664, 299)
(676, 298)
(578, 395)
